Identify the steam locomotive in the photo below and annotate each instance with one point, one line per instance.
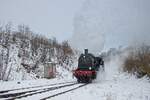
(88, 67)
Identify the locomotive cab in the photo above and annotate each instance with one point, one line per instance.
(99, 63)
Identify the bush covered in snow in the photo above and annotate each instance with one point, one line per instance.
(138, 61)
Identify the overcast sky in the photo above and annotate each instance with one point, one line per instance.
(51, 17)
(103, 23)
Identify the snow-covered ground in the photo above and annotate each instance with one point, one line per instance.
(111, 85)
(121, 88)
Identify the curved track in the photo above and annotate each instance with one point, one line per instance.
(4, 91)
(59, 93)
(24, 92)
(51, 90)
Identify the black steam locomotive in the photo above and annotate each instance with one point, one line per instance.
(88, 66)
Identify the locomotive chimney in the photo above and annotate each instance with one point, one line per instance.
(86, 51)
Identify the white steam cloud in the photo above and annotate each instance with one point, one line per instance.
(111, 23)
(87, 31)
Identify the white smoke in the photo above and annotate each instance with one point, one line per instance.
(113, 22)
(87, 31)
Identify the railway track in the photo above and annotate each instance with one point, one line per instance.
(60, 93)
(4, 91)
(31, 91)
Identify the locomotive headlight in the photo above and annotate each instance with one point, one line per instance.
(90, 68)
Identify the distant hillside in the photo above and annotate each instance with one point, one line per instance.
(23, 53)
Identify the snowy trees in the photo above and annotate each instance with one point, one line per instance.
(5, 35)
(26, 50)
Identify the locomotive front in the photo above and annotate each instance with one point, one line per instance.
(88, 65)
